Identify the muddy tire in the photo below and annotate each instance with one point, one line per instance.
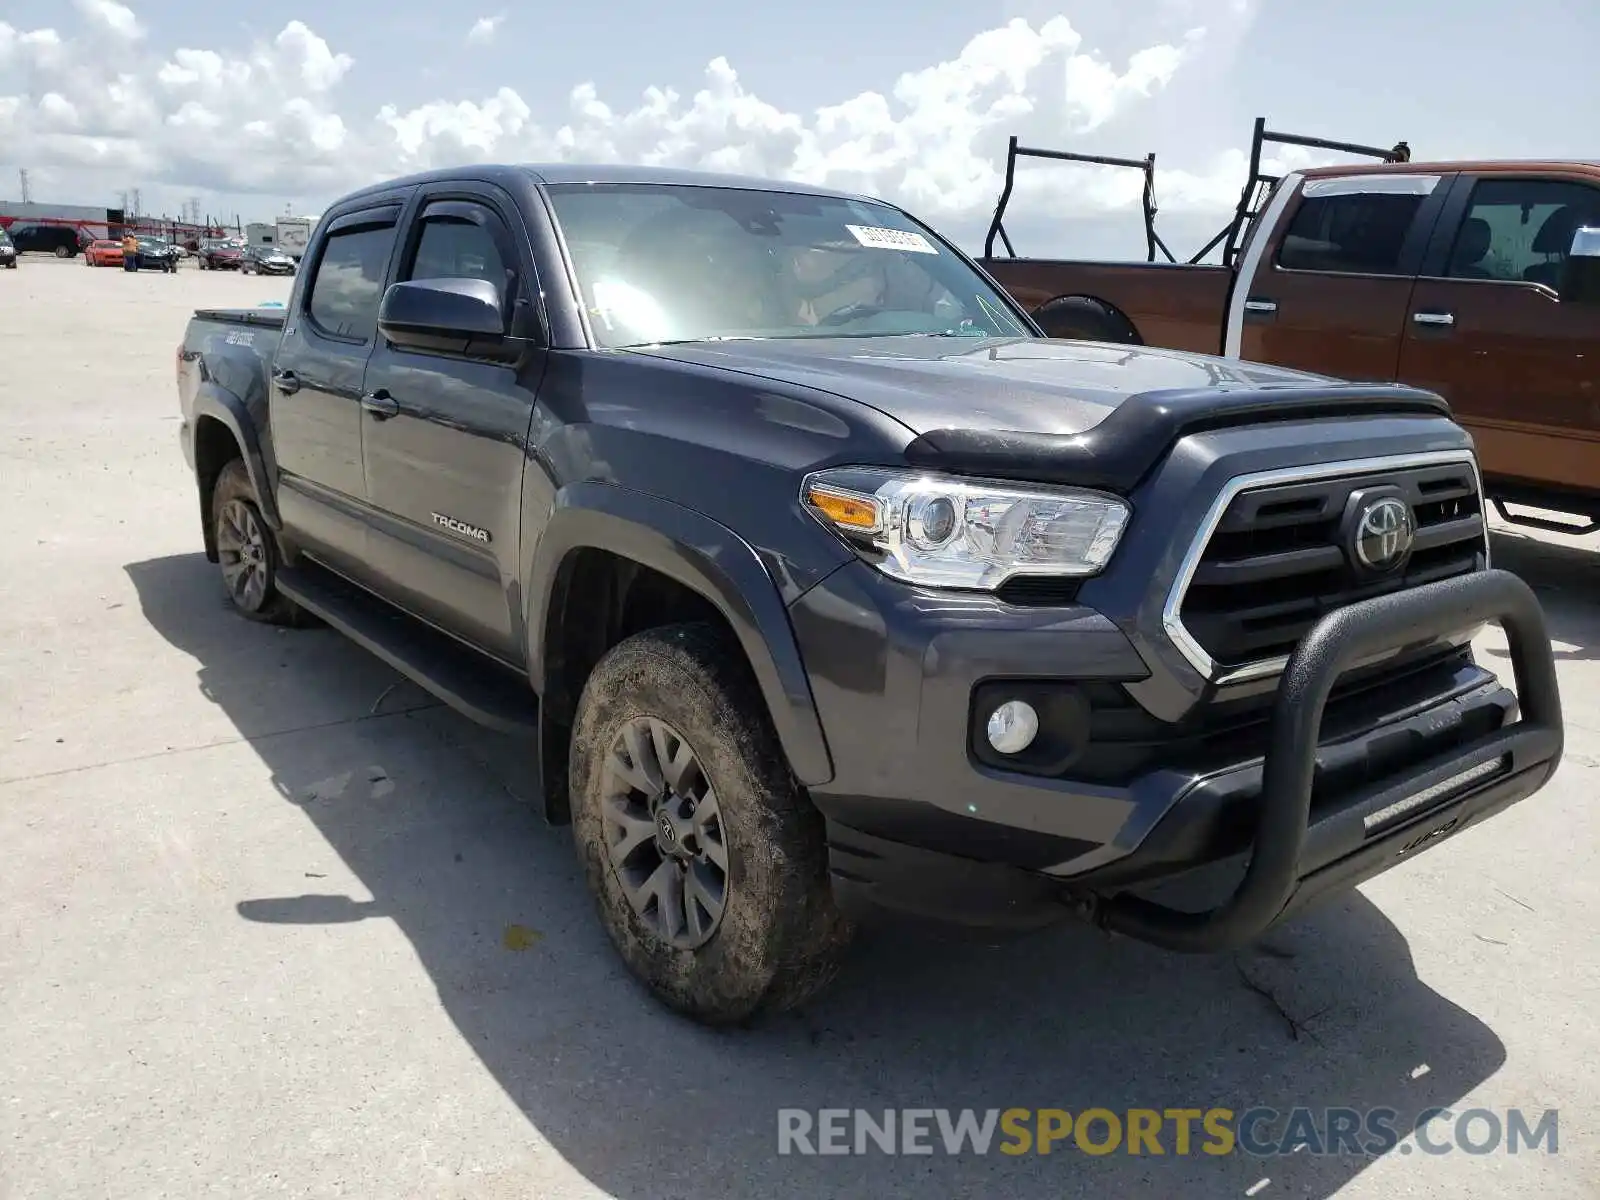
(707, 863)
(247, 552)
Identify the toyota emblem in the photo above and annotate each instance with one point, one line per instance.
(1384, 534)
(669, 835)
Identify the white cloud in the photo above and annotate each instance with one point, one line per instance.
(484, 29)
(269, 118)
(114, 18)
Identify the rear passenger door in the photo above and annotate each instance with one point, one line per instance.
(1489, 333)
(445, 440)
(316, 386)
(1333, 287)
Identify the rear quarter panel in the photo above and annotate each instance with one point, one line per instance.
(1177, 306)
(223, 370)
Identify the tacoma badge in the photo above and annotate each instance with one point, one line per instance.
(461, 527)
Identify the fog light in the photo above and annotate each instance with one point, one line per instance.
(1012, 727)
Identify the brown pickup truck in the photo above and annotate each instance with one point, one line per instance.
(1476, 280)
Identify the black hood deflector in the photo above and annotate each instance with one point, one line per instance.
(1118, 452)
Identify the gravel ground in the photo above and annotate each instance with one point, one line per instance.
(275, 924)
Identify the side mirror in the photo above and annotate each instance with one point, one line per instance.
(1580, 274)
(459, 316)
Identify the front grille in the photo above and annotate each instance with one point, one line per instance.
(1280, 557)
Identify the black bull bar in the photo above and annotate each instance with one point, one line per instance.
(1291, 860)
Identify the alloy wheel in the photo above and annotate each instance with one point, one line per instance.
(243, 555)
(663, 833)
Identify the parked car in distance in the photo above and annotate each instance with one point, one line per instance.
(38, 237)
(820, 581)
(221, 254)
(157, 254)
(103, 252)
(265, 260)
(8, 251)
(1479, 281)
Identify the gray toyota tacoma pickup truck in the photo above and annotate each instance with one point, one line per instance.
(825, 584)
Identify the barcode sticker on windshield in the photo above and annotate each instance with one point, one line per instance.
(892, 239)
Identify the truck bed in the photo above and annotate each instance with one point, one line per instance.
(1175, 305)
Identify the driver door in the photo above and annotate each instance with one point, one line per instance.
(444, 435)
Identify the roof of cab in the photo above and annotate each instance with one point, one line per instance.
(1475, 166)
(580, 173)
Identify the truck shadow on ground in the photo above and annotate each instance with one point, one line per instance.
(1566, 579)
(430, 814)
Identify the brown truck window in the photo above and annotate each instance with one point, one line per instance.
(1519, 230)
(1357, 233)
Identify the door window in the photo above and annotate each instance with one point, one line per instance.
(458, 242)
(1352, 233)
(1520, 230)
(349, 281)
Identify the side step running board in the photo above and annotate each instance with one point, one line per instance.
(474, 686)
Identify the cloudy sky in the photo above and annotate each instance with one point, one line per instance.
(255, 107)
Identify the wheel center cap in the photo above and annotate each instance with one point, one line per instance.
(675, 828)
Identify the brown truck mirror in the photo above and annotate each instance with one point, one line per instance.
(1580, 274)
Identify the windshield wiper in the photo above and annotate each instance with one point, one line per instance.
(721, 337)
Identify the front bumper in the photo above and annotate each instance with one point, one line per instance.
(1334, 787)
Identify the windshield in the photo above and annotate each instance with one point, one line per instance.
(664, 263)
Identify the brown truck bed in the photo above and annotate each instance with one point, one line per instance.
(1172, 305)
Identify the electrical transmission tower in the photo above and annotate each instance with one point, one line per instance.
(22, 177)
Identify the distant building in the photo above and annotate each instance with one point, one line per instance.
(94, 222)
(102, 222)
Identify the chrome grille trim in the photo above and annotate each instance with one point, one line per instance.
(1172, 621)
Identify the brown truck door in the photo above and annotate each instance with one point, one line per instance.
(1325, 282)
(1488, 331)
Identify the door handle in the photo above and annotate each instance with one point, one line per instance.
(288, 382)
(381, 405)
(1441, 319)
(1261, 306)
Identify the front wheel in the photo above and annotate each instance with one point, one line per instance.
(707, 863)
(247, 552)
(63, 252)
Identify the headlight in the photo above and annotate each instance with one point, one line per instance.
(939, 531)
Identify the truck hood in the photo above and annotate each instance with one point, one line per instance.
(1027, 385)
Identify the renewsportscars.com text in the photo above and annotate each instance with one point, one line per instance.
(1260, 1132)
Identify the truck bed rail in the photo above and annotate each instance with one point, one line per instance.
(1147, 165)
(1259, 186)
(267, 318)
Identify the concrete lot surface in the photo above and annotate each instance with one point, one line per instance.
(275, 924)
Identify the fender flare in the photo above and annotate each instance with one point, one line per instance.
(707, 558)
(216, 404)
